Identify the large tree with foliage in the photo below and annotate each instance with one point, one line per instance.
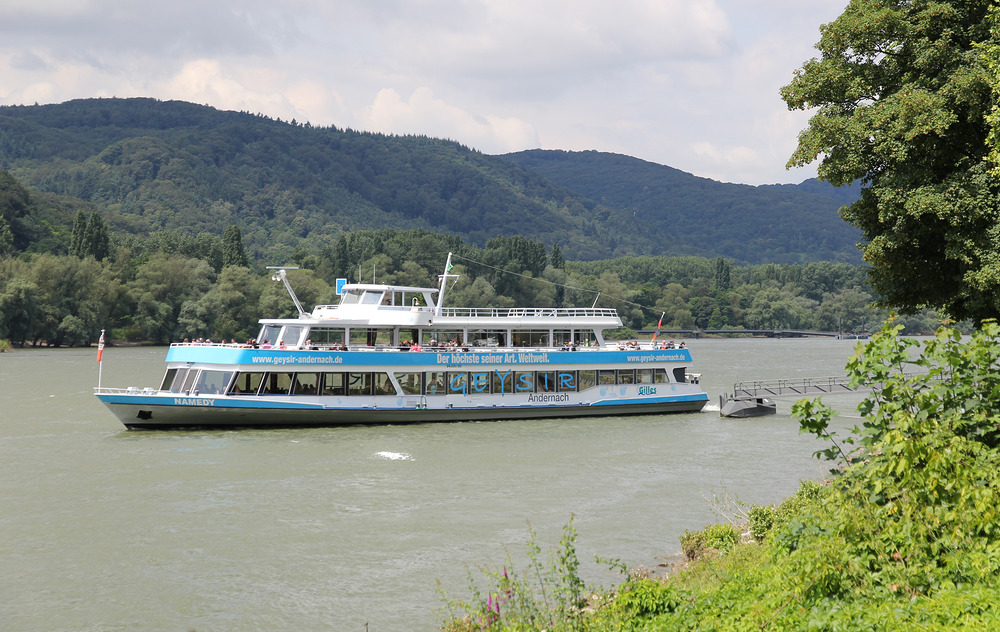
(233, 252)
(902, 93)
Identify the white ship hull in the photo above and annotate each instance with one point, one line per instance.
(160, 411)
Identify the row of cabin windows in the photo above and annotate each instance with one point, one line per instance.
(294, 335)
(207, 382)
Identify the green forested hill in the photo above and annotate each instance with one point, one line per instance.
(698, 216)
(174, 165)
(150, 165)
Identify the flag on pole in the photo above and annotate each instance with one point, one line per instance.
(100, 346)
(658, 325)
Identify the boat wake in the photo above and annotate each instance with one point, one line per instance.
(394, 456)
(711, 408)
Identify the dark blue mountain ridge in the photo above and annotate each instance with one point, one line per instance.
(777, 223)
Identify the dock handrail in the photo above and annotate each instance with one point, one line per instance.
(797, 386)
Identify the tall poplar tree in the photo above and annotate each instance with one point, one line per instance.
(233, 252)
(96, 241)
(76, 244)
(901, 92)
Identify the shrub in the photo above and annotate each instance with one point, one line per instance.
(794, 505)
(647, 598)
(716, 537)
(693, 544)
(722, 537)
(761, 521)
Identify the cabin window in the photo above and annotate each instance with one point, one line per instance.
(172, 380)
(359, 383)
(606, 376)
(277, 384)
(189, 380)
(268, 334)
(530, 338)
(371, 298)
(587, 379)
(435, 383)
(326, 337)
(212, 382)
(292, 335)
(660, 376)
(371, 337)
(305, 383)
(566, 381)
(407, 338)
(626, 376)
(644, 376)
(410, 382)
(384, 385)
(445, 338)
(479, 382)
(333, 384)
(524, 381)
(488, 338)
(562, 337)
(246, 384)
(457, 383)
(545, 381)
(679, 374)
(503, 381)
(350, 297)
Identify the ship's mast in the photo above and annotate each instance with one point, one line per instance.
(281, 276)
(444, 281)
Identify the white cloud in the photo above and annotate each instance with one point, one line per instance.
(424, 114)
(688, 83)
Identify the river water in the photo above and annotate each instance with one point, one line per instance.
(103, 529)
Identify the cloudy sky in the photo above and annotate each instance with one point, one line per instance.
(688, 83)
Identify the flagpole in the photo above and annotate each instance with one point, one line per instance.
(100, 363)
(658, 325)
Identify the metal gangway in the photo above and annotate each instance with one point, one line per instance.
(750, 398)
(797, 386)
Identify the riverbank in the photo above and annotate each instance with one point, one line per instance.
(904, 536)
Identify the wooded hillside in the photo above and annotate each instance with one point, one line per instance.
(149, 165)
(783, 223)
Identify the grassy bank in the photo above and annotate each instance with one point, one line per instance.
(904, 536)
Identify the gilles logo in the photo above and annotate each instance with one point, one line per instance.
(647, 390)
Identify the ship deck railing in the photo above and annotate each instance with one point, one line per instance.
(529, 312)
(128, 390)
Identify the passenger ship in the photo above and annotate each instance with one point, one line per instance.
(392, 354)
